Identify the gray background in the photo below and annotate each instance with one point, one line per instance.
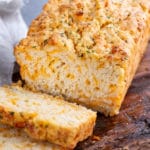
(31, 9)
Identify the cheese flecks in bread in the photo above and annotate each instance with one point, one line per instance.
(44, 117)
(15, 139)
(87, 51)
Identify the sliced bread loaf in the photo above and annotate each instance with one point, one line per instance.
(86, 50)
(45, 117)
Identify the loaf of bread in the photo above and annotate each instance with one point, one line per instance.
(86, 50)
(44, 117)
(15, 139)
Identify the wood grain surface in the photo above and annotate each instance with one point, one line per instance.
(131, 128)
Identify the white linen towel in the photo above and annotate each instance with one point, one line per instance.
(12, 29)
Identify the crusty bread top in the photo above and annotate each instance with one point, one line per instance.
(13, 139)
(98, 27)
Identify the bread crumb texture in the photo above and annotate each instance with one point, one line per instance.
(86, 50)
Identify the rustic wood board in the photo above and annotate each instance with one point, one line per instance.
(131, 128)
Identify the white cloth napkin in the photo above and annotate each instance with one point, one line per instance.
(12, 29)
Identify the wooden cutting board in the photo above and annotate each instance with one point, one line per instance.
(131, 128)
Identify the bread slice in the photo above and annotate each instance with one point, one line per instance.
(44, 117)
(15, 139)
(86, 50)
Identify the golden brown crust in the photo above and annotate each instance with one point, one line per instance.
(137, 56)
(85, 22)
